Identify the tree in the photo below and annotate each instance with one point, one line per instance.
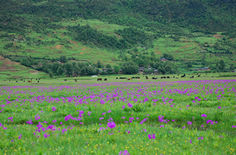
(99, 64)
(63, 59)
(116, 69)
(55, 67)
(220, 65)
(168, 56)
(231, 67)
(189, 65)
(27, 61)
(60, 70)
(129, 68)
(68, 69)
(109, 69)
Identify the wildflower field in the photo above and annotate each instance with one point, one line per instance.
(149, 117)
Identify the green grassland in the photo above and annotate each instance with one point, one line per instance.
(46, 80)
(176, 137)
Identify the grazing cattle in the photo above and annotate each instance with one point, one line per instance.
(183, 75)
(199, 75)
(99, 79)
(29, 81)
(65, 79)
(129, 79)
(167, 77)
(123, 77)
(192, 77)
(146, 77)
(154, 78)
(75, 80)
(135, 77)
(117, 78)
(38, 81)
(105, 79)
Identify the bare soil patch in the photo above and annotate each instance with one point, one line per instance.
(217, 36)
(185, 46)
(33, 72)
(7, 64)
(58, 47)
(74, 43)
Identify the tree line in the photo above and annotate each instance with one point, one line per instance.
(129, 37)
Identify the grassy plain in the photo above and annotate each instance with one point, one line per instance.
(61, 117)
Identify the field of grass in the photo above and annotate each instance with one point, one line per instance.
(172, 116)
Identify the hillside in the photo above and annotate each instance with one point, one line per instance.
(12, 70)
(86, 37)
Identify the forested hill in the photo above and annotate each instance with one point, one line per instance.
(85, 37)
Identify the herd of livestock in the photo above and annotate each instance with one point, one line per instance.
(153, 77)
(147, 77)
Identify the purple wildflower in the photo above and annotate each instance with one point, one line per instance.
(152, 136)
(125, 152)
(162, 126)
(190, 123)
(20, 136)
(143, 120)
(130, 105)
(54, 109)
(111, 125)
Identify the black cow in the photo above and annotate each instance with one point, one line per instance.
(135, 77)
(183, 75)
(99, 79)
(105, 79)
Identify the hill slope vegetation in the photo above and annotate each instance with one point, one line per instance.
(86, 37)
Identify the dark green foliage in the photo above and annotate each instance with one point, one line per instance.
(168, 56)
(129, 68)
(220, 66)
(135, 37)
(116, 69)
(63, 59)
(231, 68)
(99, 64)
(88, 35)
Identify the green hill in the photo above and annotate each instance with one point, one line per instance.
(86, 37)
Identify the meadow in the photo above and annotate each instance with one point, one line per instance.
(182, 116)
